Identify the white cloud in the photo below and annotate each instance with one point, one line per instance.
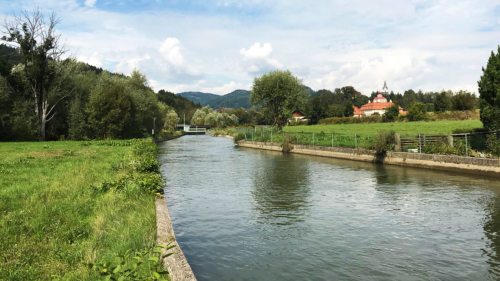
(420, 44)
(90, 3)
(170, 49)
(257, 59)
(94, 59)
(257, 51)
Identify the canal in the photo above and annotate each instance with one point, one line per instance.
(243, 214)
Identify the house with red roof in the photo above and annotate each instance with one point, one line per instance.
(298, 117)
(379, 105)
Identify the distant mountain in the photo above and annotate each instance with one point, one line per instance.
(199, 97)
(235, 99)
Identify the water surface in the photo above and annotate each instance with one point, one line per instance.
(243, 214)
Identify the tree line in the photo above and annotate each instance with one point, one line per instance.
(45, 97)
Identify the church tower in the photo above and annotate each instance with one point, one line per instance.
(385, 89)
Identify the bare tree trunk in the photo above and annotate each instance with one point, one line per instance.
(38, 45)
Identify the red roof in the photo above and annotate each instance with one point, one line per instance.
(379, 97)
(376, 106)
(357, 110)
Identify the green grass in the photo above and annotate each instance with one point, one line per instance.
(53, 222)
(353, 135)
(441, 127)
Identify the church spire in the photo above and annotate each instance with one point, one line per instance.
(385, 89)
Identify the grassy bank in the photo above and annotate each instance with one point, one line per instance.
(441, 127)
(65, 206)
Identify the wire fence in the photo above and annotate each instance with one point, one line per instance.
(480, 144)
(263, 134)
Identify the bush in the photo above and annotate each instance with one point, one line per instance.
(385, 141)
(142, 265)
(238, 137)
(287, 145)
(454, 115)
(440, 148)
(416, 112)
(493, 144)
(351, 120)
(391, 114)
(150, 182)
(145, 157)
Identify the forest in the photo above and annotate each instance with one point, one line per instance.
(89, 102)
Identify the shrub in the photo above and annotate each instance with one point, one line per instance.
(150, 182)
(385, 141)
(416, 112)
(287, 145)
(145, 157)
(440, 148)
(351, 120)
(143, 265)
(493, 144)
(238, 137)
(391, 114)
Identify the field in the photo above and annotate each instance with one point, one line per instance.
(441, 127)
(57, 215)
(353, 135)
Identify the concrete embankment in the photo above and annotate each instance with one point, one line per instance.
(486, 166)
(176, 264)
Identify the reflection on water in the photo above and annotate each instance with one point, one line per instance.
(491, 229)
(281, 189)
(243, 214)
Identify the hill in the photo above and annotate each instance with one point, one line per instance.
(235, 99)
(199, 97)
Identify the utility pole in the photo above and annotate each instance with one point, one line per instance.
(154, 124)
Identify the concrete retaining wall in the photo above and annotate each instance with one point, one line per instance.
(176, 264)
(434, 161)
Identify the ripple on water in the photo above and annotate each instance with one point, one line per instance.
(244, 214)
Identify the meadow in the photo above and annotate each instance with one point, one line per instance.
(440, 127)
(66, 206)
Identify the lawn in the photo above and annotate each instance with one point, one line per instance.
(441, 127)
(55, 216)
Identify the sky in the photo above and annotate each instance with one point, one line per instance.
(221, 45)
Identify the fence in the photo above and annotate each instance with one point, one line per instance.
(467, 144)
(305, 138)
(481, 144)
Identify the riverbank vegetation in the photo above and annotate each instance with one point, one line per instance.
(69, 210)
(45, 97)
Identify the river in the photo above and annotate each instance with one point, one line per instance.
(244, 214)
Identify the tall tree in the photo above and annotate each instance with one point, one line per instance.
(463, 100)
(39, 47)
(442, 101)
(280, 92)
(489, 92)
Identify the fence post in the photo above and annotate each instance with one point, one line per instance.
(419, 144)
(332, 139)
(313, 139)
(356, 141)
(466, 146)
(271, 136)
(450, 140)
(397, 139)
